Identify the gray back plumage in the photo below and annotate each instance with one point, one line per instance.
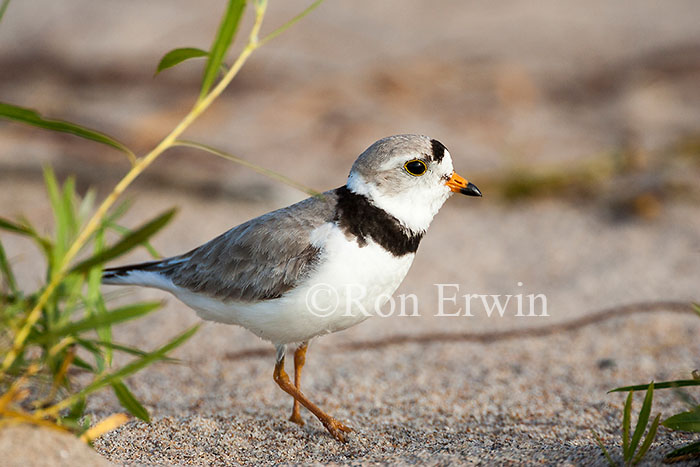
(258, 260)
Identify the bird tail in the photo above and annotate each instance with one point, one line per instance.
(148, 274)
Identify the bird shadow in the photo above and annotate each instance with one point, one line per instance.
(489, 337)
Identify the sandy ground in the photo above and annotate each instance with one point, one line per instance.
(26, 445)
(503, 86)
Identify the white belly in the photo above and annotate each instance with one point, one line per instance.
(349, 284)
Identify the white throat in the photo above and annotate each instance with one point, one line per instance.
(415, 209)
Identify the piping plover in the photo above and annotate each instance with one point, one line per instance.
(318, 266)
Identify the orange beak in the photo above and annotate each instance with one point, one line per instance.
(459, 184)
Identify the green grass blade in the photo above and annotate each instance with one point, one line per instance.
(222, 42)
(129, 402)
(687, 452)
(88, 345)
(77, 410)
(52, 188)
(14, 227)
(626, 416)
(31, 117)
(87, 204)
(96, 352)
(664, 385)
(647, 441)
(3, 8)
(125, 231)
(26, 229)
(259, 169)
(177, 56)
(290, 23)
(118, 315)
(600, 444)
(642, 420)
(128, 242)
(7, 273)
(117, 212)
(69, 207)
(60, 218)
(696, 308)
(686, 398)
(95, 301)
(132, 367)
(80, 363)
(104, 332)
(69, 298)
(121, 348)
(684, 421)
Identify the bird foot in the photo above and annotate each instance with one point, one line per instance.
(336, 429)
(296, 418)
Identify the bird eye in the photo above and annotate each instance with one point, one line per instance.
(415, 167)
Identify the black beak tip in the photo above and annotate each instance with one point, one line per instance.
(470, 190)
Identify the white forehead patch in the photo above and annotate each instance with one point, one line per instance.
(447, 163)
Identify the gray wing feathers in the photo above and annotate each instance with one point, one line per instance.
(260, 259)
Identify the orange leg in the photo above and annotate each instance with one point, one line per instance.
(334, 427)
(299, 360)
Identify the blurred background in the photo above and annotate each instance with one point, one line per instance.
(579, 121)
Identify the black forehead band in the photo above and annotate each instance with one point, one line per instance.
(438, 150)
